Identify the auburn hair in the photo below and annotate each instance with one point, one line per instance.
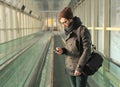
(65, 13)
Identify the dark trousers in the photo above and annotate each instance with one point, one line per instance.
(79, 81)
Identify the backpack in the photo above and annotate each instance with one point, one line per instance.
(94, 62)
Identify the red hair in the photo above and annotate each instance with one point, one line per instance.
(65, 13)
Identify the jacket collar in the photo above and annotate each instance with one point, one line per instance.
(74, 25)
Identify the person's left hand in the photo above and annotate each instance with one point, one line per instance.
(77, 73)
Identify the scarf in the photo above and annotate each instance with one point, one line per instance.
(74, 25)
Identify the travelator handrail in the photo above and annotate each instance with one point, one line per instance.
(7, 62)
(112, 61)
(36, 74)
(107, 58)
(34, 77)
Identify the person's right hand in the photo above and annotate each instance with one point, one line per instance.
(59, 50)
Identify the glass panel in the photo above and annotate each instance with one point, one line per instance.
(99, 40)
(100, 13)
(0, 22)
(14, 2)
(115, 13)
(115, 70)
(7, 17)
(8, 1)
(91, 18)
(115, 46)
(90, 14)
(7, 22)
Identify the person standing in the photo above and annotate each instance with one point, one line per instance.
(77, 47)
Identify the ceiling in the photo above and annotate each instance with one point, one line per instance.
(47, 5)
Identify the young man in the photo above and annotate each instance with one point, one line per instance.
(77, 48)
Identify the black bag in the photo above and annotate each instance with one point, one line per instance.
(93, 64)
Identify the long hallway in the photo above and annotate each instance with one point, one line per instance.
(30, 32)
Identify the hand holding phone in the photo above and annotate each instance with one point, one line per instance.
(58, 50)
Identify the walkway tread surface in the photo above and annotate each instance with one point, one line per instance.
(60, 78)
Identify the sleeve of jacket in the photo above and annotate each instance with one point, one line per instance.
(65, 51)
(86, 43)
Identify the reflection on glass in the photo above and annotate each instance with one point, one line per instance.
(100, 13)
(115, 13)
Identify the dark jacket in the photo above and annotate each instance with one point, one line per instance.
(77, 51)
